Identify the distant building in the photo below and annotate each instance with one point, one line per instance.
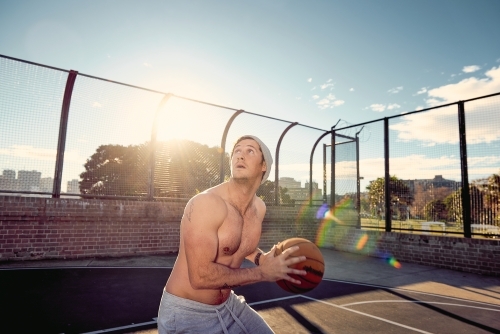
(437, 182)
(289, 183)
(9, 173)
(296, 191)
(29, 180)
(73, 187)
(46, 184)
(8, 180)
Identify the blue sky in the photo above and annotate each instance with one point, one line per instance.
(313, 62)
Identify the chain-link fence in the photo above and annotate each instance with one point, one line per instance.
(64, 133)
(74, 135)
(413, 168)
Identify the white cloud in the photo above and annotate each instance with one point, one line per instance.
(466, 89)
(323, 102)
(440, 126)
(351, 90)
(315, 97)
(30, 152)
(395, 90)
(96, 105)
(393, 106)
(422, 90)
(471, 69)
(377, 107)
(147, 64)
(310, 80)
(326, 85)
(330, 101)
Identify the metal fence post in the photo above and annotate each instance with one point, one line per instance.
(387, 181)
(332, 171)
(277, 164)
(358, 186)
(311, 168)
(223, 144)
(63, 128)
(466, 208)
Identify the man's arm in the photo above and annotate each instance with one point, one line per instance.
(203, 216)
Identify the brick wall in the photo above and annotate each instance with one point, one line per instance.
(36, 228)
(480, 256)
(43, 228)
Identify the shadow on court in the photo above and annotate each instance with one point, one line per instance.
(125, 300)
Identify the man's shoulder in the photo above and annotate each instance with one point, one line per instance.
(208, 198)
(260, 205)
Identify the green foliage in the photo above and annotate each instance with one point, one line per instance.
(400, 193)
(116, 170)
(436, 211)
(266, 193)
(182, 169)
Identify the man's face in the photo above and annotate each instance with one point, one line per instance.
(247, 160)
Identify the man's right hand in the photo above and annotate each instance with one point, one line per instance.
(276, 267)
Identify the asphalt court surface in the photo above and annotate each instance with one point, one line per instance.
(125, 300)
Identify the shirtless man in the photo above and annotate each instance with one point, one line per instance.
(219, 229)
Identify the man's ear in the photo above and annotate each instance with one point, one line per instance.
(264, 166)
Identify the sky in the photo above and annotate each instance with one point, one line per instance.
(312, 62)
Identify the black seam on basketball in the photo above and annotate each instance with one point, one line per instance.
(311, 259)
(304, 279)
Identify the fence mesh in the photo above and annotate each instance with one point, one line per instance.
(107, 142)
(483, 145)
(129, 141)
(30, 110)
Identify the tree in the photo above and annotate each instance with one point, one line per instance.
(453, 203)
(436, 211)
(266, 193)
(116, 170)
(182, 169)
(425, 196)
(401, 196)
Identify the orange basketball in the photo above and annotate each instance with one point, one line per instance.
(314, 265)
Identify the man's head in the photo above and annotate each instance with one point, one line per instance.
(263, 150)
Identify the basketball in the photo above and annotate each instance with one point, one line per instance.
(314, 265)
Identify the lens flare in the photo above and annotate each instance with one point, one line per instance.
(340, 215)
(393, 262)
(362, 242)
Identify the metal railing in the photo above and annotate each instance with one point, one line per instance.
(133, 142)
(428, 171)
(434, 170)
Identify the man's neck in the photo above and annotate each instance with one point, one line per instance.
(242, 194)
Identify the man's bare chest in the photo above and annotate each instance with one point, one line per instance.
(239, 233)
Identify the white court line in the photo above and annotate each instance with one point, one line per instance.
(412, 291)
(123, 327)
(273, 300)
(367, 315)
(421, 302)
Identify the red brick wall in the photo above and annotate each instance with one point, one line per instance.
(43, 228)
(480, 256)
(32, 227)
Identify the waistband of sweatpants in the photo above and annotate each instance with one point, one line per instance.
(194, 305)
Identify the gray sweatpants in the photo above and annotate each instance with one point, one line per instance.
(180, 315)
